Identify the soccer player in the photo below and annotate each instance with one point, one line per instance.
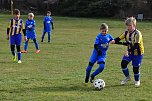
(30, 33)
(14, 29)
(99, 52)
(48, 22)
(134, 52)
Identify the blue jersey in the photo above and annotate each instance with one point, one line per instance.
(30, 29)
(103, 41)
(30, 25)
(47, 23)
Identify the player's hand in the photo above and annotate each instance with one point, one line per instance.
(112, 42)
(125, 43)
(7, 37)
(25, 38)
(126, 54)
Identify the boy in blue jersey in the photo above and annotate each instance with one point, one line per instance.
(135, 50)
(30, 33)
(99, 53)
(14, 29)
(48, 22)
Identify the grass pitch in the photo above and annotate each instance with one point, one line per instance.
(57, 72)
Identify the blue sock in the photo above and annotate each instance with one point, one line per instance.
(137, 77)
(25, 45)
(49, 36)
(19, 55)
(13, 53)
(88, 70)
(99, 70)
(43, 35)
(126, 72)
(36, 45)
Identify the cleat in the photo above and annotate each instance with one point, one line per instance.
(92, 79)
(19, 61)
(48, 41)
(14, 58)
(87, 79)
(37, 51)
(23, 51)
(42, 41)
(125, 81)
(137, 83)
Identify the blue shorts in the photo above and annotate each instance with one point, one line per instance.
(48, 31)
(136, 59)
(16, 39)
(94, 57)
(31, 35)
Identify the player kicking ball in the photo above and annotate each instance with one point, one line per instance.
(99, 52)
(30, 33)
(134, 52)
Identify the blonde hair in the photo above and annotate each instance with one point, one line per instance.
(31, 14)
(130, 20)
(104, 26)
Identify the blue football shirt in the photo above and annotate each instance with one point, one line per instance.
(47, 22)
(30, 25)
(103, 41)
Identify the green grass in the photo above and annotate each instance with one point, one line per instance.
(57, 72)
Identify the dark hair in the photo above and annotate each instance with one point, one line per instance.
(16, 12)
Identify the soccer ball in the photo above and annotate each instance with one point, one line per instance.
(99, 84)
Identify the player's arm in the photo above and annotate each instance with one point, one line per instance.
(8, 29)
(52, 25)
(117, 40)
(137, 40)
(24, 31)
(96, 47)
(33, 25)
(44, 23)
(111, 41)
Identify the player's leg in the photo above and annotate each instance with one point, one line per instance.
(98, 70)
(18, 41)
(43, 35)
(49, 36)
(13, 52)
(12, 46)
(136, 62)
(25, 46)
(124, 63)
(101, 61)
(93, 59)
(19, 53)
(36, 45)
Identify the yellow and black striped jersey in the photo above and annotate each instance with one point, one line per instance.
(16, 26)
(132, 38)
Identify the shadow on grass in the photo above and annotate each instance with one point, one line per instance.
(64, 88)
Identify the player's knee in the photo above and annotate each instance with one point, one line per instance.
(12, 47)
(34, 40)
(136, 70)
(101, 62)
(18, 48)
(101, 66)
(91, 64)
(124, 64)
